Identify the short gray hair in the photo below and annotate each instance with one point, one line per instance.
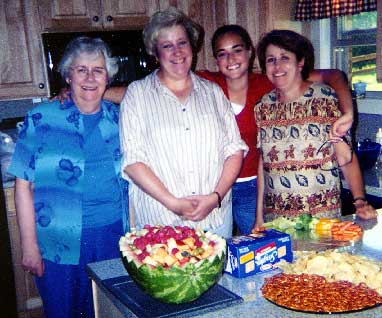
(87, 45)
(165, 19)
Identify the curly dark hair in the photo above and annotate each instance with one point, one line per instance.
(292, 42)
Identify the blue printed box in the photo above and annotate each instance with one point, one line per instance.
(257, 253)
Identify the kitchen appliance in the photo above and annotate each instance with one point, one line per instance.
(127, 46)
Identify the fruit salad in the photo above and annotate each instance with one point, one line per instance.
(168, 246)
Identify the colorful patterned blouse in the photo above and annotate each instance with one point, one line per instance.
(300, 168)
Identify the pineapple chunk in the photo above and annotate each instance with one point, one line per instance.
(161, 252)
(170, 260)
(208, 251)
(149, 261)
(160, 255)
(190, 241)
(183, 247)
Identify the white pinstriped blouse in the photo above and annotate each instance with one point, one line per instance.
(185, 145)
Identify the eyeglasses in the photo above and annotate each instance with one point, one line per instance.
(322, 149)
(84, 72)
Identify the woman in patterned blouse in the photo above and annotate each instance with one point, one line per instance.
(299, 165)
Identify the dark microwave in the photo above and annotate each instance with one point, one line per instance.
(127, 46)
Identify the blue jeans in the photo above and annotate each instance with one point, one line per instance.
(65, 290)
(244, 199)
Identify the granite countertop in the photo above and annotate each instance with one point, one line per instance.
(254, 305)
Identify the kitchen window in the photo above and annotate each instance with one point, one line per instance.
(353, 42)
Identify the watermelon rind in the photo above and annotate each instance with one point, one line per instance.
(176, 284)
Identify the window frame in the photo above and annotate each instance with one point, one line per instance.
(366, 38)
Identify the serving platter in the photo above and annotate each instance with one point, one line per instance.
(324, 312)
(314, 294)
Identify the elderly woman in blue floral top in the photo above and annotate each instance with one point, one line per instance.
(71, 201)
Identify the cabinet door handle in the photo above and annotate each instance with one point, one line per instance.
(109, 18)
(41, 85)
(96, 18)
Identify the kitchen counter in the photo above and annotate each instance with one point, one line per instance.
(254, 305)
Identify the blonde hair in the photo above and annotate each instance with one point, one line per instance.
(165, 19)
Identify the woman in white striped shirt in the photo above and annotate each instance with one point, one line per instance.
(181, 146)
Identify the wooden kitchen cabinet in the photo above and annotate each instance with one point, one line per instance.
(22, 71)
(29, 303)
(94, 15)
(277, 14)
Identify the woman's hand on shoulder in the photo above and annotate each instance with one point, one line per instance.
(342, 125)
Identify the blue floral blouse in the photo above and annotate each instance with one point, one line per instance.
(49, 153)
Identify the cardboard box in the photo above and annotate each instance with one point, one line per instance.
(256, 253)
